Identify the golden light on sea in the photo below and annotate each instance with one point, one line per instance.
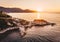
(38, 13)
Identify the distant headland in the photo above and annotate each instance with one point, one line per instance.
(19, 10)
(15, 10)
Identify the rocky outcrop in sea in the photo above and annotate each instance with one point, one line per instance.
(13, 30)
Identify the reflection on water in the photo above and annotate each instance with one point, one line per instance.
(39, 34)
(55, 18)
(32, 16)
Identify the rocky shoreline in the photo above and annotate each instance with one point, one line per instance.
(14, 30)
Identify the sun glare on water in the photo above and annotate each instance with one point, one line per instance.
(38, 13)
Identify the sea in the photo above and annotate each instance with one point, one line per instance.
(51, 17)
(40, 34)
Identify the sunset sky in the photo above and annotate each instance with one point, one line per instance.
(43, 5)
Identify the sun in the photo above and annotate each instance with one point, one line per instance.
(38, 9)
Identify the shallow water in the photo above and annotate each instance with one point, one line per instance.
(40, 34)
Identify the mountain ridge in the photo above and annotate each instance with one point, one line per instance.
(15, 10)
